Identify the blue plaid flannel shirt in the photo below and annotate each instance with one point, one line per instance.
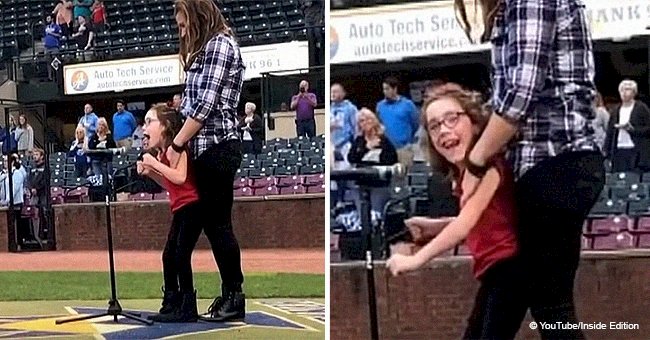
(543, 78)
(213, 85)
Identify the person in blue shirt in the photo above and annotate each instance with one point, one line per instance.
(8, 137)
(82, 8)
(343, 126)
(124, 125)
(400, 117)
(52, 41)
(88, 121)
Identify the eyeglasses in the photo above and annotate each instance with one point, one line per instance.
(148, 121)
(449, 120)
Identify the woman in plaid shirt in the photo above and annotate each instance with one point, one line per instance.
(214, 76)
(543, 93)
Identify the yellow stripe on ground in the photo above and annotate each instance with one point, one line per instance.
(48, 325)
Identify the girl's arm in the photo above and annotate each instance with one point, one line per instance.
(176, 175)
(153, 174)
(459, 228)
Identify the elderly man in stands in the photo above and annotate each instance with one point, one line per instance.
(627, 144)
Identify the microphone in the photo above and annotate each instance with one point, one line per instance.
(371, 173)
(114, 151)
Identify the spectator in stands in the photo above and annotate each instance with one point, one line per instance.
(18, 179)
(99, 21)
(24, 136)
(400, 117)
(52, 43)
(558, 167)
(214, 70)
(82, 8)
(251, 128)
(85, 37)
(88, 121)
(101, 163)
(124, 125)
(430, 89)
(39, 189)
(372, 147)
(601, 122)
(313, 10)
(343, 126)
(162, 123)
(8, 137)
(63, 12)
(628, 134)
(486, 223)
(138, 134)
(81, 160)
(304, 103)
(176, 102)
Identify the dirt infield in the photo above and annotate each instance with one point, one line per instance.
(308, 261)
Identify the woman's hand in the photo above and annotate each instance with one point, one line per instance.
(373, 143)
(399, 264)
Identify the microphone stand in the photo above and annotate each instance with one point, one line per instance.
(367, 234)
(114, 307)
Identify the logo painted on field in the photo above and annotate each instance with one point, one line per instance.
(44, 326)
(307, 309)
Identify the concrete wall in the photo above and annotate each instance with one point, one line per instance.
(435, 302)
(294, 222)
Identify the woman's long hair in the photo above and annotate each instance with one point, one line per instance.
(489, 10)
(204, 20)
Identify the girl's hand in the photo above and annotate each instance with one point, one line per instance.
(139, 167)
(148, 161)
(399, 264)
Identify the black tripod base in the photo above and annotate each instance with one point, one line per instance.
(114, 310)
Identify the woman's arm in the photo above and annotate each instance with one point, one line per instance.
(357, 151)
(176, 175)
(388, 153)
(30, 138)
(459, 228)
(257, 125)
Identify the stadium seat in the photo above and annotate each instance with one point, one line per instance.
(262, 182)
(240, 183)
(311, 180)
(268, 191)
(141, 196)
(289, 181)
(316, 189)
(243, 191)
(609, 207)
(293, 190)
(162, 196)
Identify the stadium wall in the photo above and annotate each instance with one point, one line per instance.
(285, 124)
(434, 303)
(259, 223)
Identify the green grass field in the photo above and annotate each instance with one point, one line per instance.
(29, 286)
(46, 296)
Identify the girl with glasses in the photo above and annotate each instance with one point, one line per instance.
(454, 119)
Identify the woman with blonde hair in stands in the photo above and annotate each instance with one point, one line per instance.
(214, 75)
(101, 163)
(372, 147)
